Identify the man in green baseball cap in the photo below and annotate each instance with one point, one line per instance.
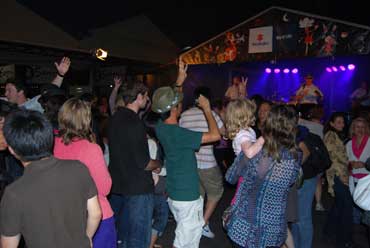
(179, 145)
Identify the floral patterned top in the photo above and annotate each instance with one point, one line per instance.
(339, 159)
(258, 217)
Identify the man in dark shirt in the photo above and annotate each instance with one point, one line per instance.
(54, 203)
(130, 168)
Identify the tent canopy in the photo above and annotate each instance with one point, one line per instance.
(280, 33)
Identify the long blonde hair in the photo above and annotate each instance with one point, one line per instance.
(240, 114)
(74, 120)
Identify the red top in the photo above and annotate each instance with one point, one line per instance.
(91, 155)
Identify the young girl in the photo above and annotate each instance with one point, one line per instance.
(240, 116)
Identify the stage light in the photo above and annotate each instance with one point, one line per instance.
(286, 70)
(328, 69)
(335, 69)
(277, 70)
(268, 70)
(351, 67)
(295, 70)
(342, 68)
(101, 54)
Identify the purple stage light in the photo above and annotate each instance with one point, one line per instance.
(328, 69)
(295, 70)
(351, 67)
(268, 70)
(342, 68)
(286, 70)
(277, 70)
(335, 69)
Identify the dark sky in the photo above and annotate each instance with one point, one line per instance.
(187, 23)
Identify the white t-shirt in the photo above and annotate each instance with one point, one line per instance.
(243, 136)
(309, 93)
(194, 119)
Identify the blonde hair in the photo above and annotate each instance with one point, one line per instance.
(240, 114)
(352, 127)
(74, 120)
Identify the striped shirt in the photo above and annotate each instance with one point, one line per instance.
(195, 120)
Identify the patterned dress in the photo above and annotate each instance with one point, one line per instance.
(258, 217)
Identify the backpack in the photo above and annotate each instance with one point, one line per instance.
(319, 160)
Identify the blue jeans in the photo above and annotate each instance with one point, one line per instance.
(339, 223)
(160, 215)
(133, 215)
(302, 230)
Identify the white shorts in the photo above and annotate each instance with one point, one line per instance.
(189, 219)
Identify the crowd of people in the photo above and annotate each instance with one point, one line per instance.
(74, 174)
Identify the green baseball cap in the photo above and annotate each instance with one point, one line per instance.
(164, 99)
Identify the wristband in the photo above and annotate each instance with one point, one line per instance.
(60, 75)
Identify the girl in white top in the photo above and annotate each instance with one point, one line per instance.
(240, 116)
(358, 150)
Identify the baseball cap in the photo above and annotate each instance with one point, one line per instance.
(308, 76)
(164, 99)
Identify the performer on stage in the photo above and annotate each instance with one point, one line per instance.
(238, 89)
(308, 92)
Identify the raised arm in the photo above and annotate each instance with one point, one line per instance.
(62, 68)
(113, 95)
(181, 76)
(213, 133)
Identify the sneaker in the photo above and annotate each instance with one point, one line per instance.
(319, 207)
(207, 232)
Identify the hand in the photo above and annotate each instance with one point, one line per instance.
(117, 81)
(182, 73)
(260, 141)
(344, 179)
(63, 66)
(158, 170)
(244, 81)
(203, 103)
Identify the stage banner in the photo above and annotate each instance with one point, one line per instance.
(260, 40)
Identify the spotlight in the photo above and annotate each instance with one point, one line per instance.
(268, 70)
(277, 70)
(335, 69)
(101, 54)
(286, 70)
(342, 68)
(295, 70)
(351, 67)
(328, 69)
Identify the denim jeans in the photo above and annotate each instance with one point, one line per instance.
(133, 215)
(160, 215)
(339, 223)
(302, 230)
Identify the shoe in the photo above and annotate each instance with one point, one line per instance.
(319, 207)
(207, 232)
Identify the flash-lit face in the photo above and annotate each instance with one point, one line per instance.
(338, 123)
(309, 81)
(11, 93)
(263, 112)
(359, 128)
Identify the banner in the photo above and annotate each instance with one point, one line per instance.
(260, 40)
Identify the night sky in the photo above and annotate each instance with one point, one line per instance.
(186, 23)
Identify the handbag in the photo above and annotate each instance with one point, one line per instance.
(361, 194)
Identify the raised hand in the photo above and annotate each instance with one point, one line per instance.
(182, 73)
(63, 66)
(244, 80)
(203, 103)
(117, 81)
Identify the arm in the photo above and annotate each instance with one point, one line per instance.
(251, 149)
(113, 95)
(213, 133)
(152, 165)
(10, 242)
(62, 69)
(94, 216)
(304, 150)
(181, 76)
